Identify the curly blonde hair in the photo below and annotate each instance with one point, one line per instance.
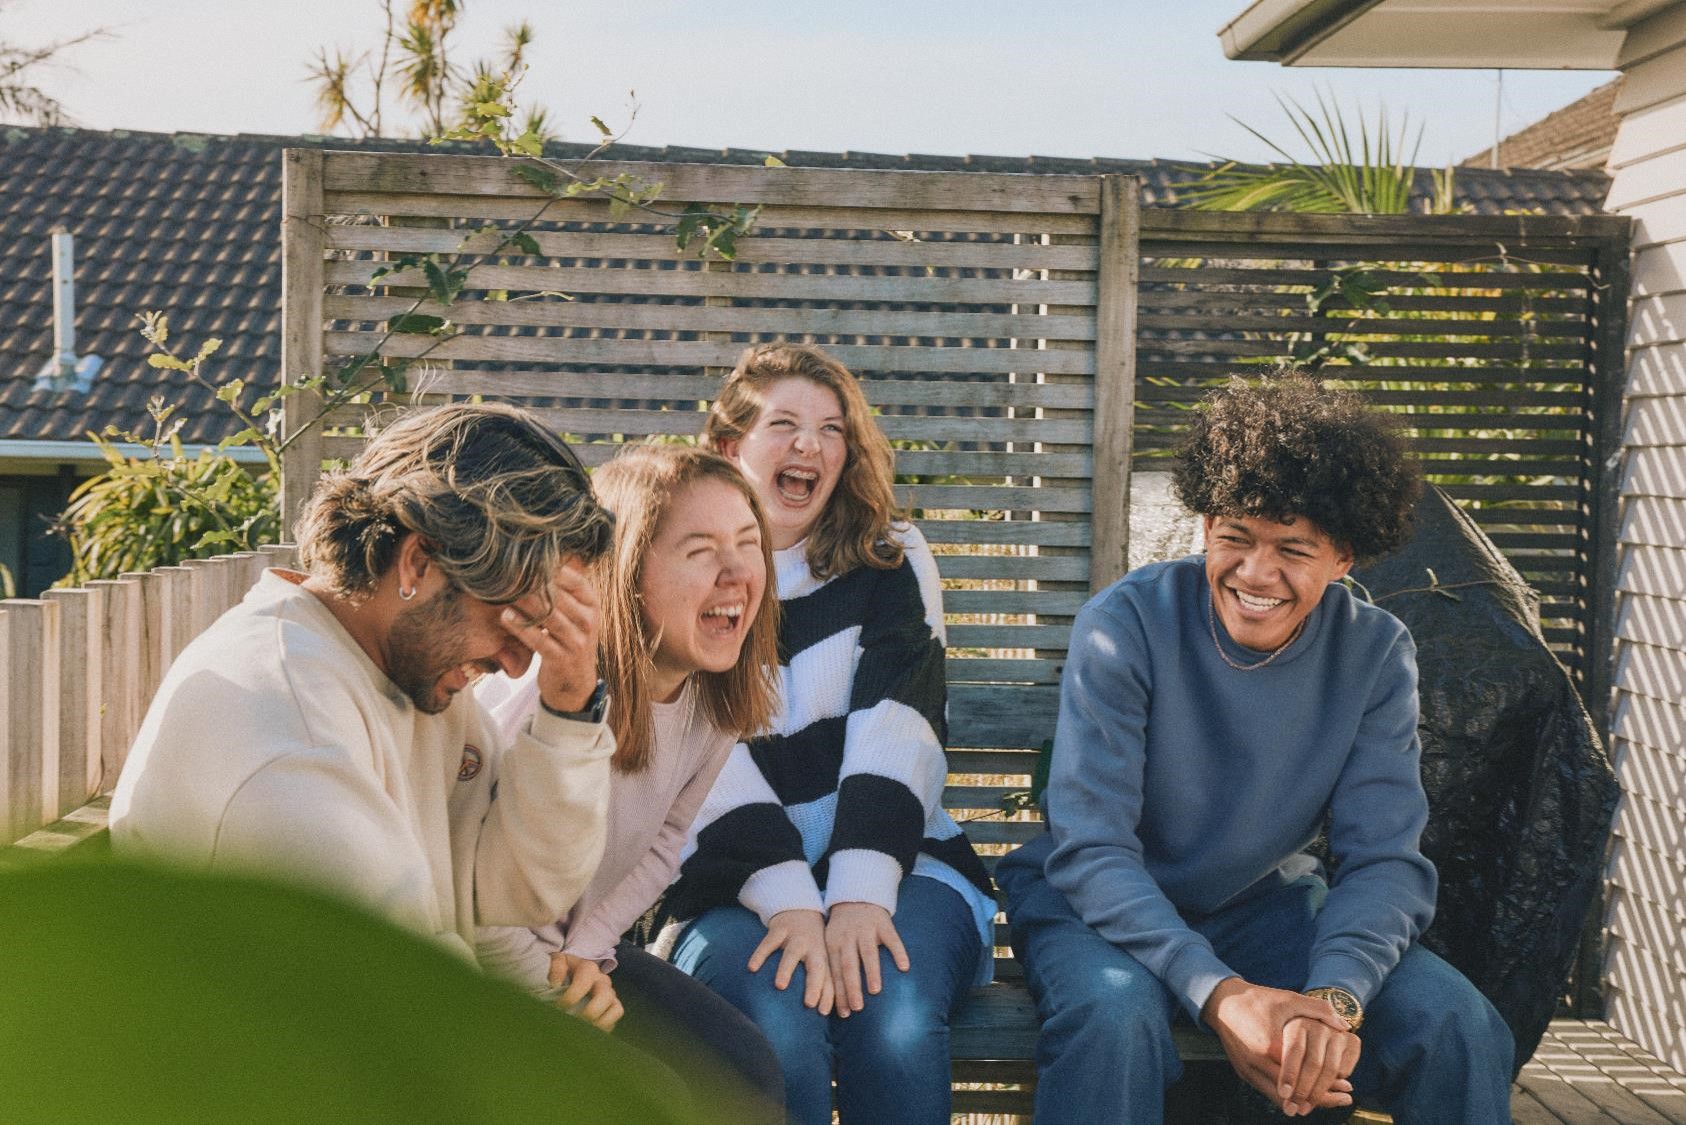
(855, 528)
(498, 499)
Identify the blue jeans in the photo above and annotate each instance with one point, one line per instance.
(891, 1057)
(1435, 1051)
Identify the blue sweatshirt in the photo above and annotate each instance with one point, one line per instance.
(1180, 785)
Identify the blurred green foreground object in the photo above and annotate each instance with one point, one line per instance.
(145, 996)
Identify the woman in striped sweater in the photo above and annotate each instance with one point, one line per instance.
(825, 841)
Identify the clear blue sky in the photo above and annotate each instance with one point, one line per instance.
(1125, 78)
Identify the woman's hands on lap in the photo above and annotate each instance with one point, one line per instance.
(801, 936)
(853, 934)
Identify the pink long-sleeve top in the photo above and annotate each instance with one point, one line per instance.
(649, 815)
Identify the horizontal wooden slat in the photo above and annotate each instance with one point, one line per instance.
(1450, 280)
(1262, 227)
(1156, 298)
(492, 175)
(1012, 601)
(1428, 397)
(1358, 327)
(1011, 761)
(949, 497)
(642, 422)
(1441, 375)
(693, 387)
(1043, 637)
(1056, 568)
(1565, 425)
(972, 669)
(645, 316)
(733, 283)
(1447, 349)
(355, 203)
(1065, 533)
(1002, 716)
(882, 251)
(697, 353)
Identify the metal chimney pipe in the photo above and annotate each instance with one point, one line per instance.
(64, 303)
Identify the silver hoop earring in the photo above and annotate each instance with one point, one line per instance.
(406, 595)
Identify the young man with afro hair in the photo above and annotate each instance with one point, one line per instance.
(1215, 713)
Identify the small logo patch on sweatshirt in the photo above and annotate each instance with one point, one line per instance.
(471, 762)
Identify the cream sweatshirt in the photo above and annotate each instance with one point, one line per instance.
(276, 746)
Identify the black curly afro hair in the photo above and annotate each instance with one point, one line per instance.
(1285, 445)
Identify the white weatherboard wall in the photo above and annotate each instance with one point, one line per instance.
(1646, 967)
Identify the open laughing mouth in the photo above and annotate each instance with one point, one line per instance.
(1256, 605)
(723, 620)
(797, 485)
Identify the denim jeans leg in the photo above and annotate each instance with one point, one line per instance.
(892, 1055)
(1436, 1052)
(715, 949)
(1105, 1052)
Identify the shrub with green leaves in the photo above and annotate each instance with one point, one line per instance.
(144, 512)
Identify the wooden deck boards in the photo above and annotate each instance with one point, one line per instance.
(1584, 1073)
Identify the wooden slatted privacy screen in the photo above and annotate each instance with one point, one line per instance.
(1499, 338)
(987, 314)
(991, 318)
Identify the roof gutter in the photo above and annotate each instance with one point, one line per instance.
(88, 451)
(1626, 14)
(1282, 30)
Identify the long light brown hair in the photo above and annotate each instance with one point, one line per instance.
(640, 486)
(854, 528)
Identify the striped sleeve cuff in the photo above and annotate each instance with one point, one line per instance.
(863, 875)
(783, 886)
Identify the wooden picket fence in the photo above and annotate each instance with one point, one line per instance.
(79, 667)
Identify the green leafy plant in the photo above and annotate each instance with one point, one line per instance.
(1371, 172)
(164, 508)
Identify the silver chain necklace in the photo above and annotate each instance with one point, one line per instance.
(1212, 623)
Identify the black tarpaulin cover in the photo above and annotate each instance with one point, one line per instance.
(1521, 793)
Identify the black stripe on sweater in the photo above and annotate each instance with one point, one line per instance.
(729, 850)
(803, 765)
(878, 814)
(835, 606)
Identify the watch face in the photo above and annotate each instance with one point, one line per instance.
(1344, 1003)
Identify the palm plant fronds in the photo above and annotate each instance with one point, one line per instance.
(1366, 170)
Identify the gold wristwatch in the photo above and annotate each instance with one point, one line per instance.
(1346, 1005)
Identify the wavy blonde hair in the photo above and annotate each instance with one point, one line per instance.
(641, 485)
(499, 501)
(855, 528)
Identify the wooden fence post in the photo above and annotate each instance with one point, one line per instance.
(32, 765)
(154, 648)
(1115, 377)
(302, 244)
(284, 555)
(179, 615)
(124, 675)
(82, 694)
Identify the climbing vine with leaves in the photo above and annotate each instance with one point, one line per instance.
(163, 507)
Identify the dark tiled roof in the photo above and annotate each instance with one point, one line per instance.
(190, 224)
(1577, 136)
